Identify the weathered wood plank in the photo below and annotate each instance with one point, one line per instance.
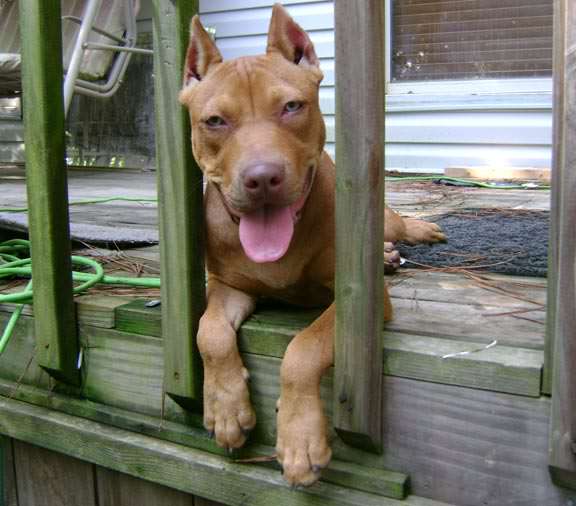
(180, 206)
(460, 445)
(373, 480)
(558, 148)
(47, 478)
(137, 318)
(18, 363)
(466, 322)
(122, 370)
(501, 368)
(466, 445)
(500, 290)
(505, 368)
(200, 501)
(47, 189)
(98, 310)
(425, 303)
(359, 28)
(117, 489)
(89, 183)
(184, 469)
(563, 426)
(463, 446)
(469, 447)
(8, 492)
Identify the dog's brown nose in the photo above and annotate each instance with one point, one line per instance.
(263, 180)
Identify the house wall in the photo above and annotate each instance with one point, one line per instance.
(424, 133)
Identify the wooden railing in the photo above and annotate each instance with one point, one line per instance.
(360, 197)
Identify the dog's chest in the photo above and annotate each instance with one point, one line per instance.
(287, 281)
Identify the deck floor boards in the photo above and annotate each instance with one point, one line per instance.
(413, 199)
(437, 304)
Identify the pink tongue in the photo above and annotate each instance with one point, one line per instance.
(266, 234)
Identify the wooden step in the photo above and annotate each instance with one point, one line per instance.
(442, 360)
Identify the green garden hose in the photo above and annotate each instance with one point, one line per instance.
(479, 184)
(11, 264)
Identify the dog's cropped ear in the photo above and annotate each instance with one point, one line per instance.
(287, 38)
(202, 53)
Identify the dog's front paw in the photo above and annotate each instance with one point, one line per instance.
(302, 447)
(228, 414)
(418, 231)
(391, 258)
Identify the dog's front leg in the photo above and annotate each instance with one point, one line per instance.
(302, 446)
(228, 413)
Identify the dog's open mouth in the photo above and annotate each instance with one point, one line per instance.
(266, 233)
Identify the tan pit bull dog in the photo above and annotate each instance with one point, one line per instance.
(258, 136)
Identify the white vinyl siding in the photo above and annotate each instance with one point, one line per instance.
(425, 132)
(242, 28)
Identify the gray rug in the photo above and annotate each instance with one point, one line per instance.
(128, 236)
(494, 240)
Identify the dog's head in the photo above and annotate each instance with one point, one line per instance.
(257, 130)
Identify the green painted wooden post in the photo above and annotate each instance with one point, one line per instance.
(57, 345)
(563, 423)
(359, 213)
(180, 206)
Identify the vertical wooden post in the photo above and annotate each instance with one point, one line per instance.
(563, 424)
(359, 214)
(557, 156)
(55, 327)
(180, 206)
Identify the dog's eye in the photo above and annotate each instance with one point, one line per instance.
(215, 121)
(293, 106)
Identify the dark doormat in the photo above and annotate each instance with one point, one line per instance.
(506, 241)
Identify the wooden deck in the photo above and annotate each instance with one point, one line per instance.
(410, 199)
(465, 420)
(450, 420)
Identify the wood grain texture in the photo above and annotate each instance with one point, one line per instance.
(8, 491)
(369, 479)
(457, 444)
(136, 318)
(47, 188)
(469, 447)
(98, 310)
(563, 426)
(359, 50)
(180, 206)
(18, 360)
(117, 489)
(500, 368)
(555, 191)
(200, 501)
(467, 322)
(184, 469)
(514, 292)
(112, 358)
(47, 478)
